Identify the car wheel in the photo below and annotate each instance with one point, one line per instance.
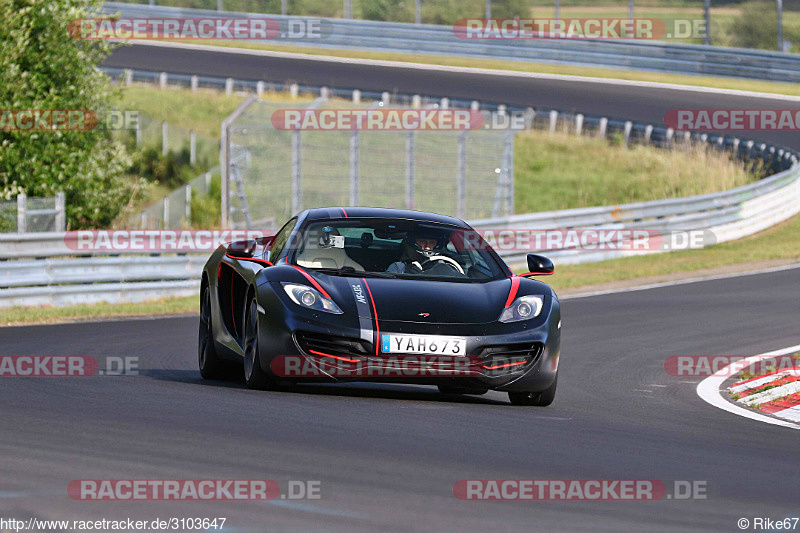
(211, 366)
(254, 375)
(541, 399)
(455, 389)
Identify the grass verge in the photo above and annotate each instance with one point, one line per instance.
(777, 243)
(53, 315)
(562, 171)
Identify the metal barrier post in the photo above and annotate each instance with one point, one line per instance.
(61, 212)
(297, 190)
(22, 213)
(188, 212)
(461, 175)
(165, 223)
(355, 147)
(410, 169)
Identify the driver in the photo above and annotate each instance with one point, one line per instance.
(418, 247)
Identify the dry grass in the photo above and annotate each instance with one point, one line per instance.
(561, 171)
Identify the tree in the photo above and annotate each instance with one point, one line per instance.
(43, 68)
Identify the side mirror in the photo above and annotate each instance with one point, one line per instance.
(242, 249)
(539, 265)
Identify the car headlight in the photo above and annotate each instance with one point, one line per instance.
(523, 308)
(311, 298)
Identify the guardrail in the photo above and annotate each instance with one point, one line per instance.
(441, 40)
(71, 281)
(727, 215)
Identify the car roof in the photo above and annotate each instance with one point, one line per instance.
(323, 213)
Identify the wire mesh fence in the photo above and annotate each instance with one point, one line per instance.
(192, 205)
(33, 215)
(183, 147)
(276, 173)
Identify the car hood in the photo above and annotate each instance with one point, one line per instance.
(430, 302)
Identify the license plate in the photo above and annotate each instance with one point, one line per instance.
(424, 344)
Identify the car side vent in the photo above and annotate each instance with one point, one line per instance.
(510, 356)
(310, 342)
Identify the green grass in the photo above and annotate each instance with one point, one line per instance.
(51, 315)
(562, 171)
(777, 243)
(202, 110)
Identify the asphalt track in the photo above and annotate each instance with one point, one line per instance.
(387, 456)
(599, 98)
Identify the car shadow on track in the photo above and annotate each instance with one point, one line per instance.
(387, 391)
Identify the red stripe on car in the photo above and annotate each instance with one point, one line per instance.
(513, 292)
(313, 282)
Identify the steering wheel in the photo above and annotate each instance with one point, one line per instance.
(432, 260)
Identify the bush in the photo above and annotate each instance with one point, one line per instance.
(206, 208)
(172, 170)
(41, 67)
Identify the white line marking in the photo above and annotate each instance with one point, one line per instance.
(763, 381)
(792, 413)
(771, 394)
(708, 390)
(465, 70)
(680, 282)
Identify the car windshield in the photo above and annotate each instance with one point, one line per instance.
(395, 248)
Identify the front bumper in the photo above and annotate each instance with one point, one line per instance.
(520, 356)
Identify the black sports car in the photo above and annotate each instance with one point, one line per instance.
(368, 294)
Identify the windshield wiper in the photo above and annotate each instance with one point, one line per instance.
(350, 271)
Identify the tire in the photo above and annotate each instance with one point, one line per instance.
(455, 389)
(540, 399)
(254, 375)
(211, 366)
